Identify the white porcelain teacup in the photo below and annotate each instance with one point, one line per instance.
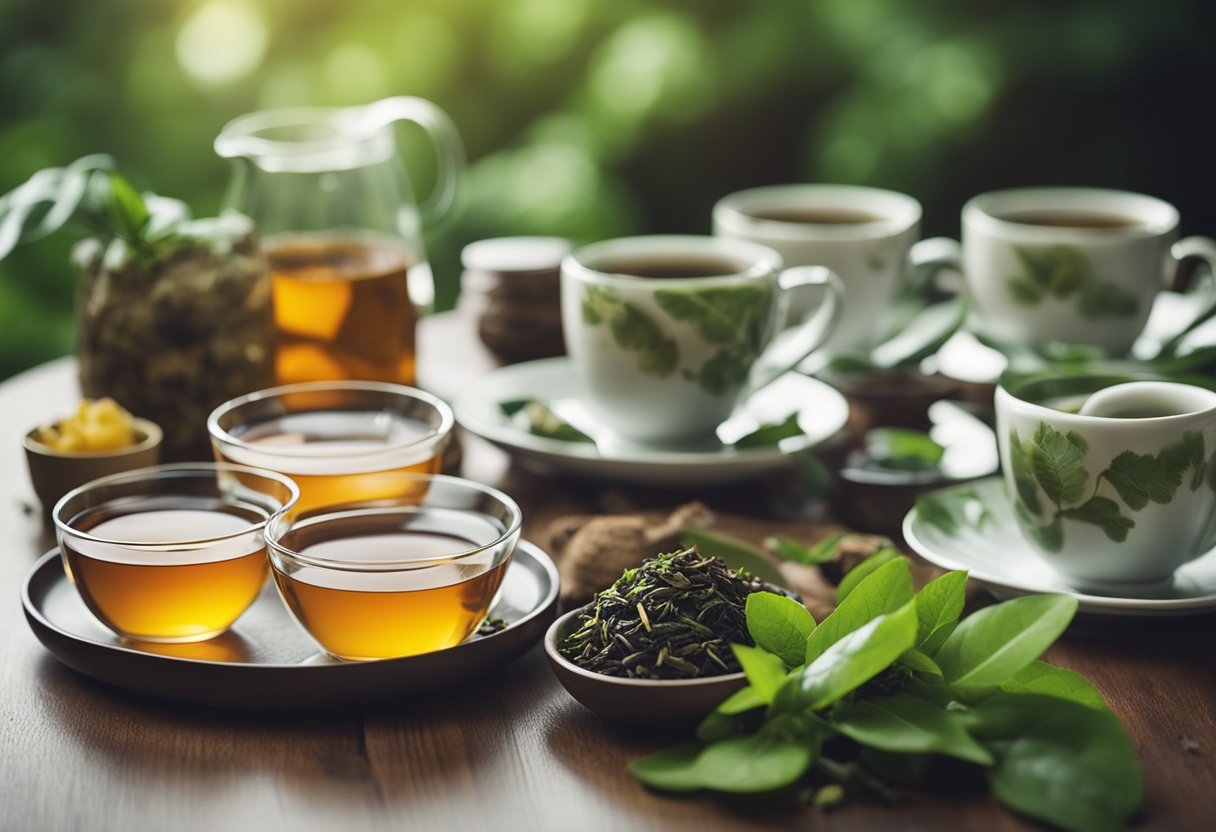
(866, 235)
(1072, 265)
(1114, 484)
(668, 333)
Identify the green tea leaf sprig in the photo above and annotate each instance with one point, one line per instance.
(90, 194)
(896, 682)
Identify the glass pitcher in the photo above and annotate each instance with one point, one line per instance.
(342, 231)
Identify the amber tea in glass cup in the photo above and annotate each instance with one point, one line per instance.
(394, 578)
(172, 553)
(341, 442)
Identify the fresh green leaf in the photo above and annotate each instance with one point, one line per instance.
(513, 406)
(769, 436)
(922, 336)
(1058, 465)
(671, 770)
(935, 510)
(127, 209)
(997, 642)
(919, 662)
(789, 549)
(738, 554)
(741, 701)
(1060, 761)
(851, 364)
(779, 625)
(1140, 478)
(863, 570)
(538, 420)
(1104, 514)
(906, 724)
(850, 662)
(939, 605)
(884, 590)
(765, 671)
(742, 765)
(1042, 678)
(903, 449)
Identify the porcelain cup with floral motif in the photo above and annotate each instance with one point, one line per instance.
(1073, 265)
(1112, 482)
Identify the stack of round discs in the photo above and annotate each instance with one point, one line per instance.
(513, 286)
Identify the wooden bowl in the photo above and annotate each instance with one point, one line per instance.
(55, 473)
(647, 702)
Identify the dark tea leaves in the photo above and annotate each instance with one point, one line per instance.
(673, 617)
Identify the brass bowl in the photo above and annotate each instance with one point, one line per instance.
(647, 702)
(55, 473)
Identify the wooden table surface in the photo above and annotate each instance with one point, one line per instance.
(510, 752)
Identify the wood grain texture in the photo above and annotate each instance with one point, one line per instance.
(509, 752)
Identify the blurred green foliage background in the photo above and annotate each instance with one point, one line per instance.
(594, 118)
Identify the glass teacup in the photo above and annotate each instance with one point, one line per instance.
(342, 441)
(173, 553)
(391, 578)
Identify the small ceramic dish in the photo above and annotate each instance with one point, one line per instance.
(55, 473)
(647, 702)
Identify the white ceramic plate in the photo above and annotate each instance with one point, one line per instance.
(822, 412)
(993, 551)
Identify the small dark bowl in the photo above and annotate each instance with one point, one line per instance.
(55, 473)
(648, 702)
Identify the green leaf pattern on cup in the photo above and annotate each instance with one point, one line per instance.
(633, 330)
(734, 320)
(1063, 272)
(1051, 483)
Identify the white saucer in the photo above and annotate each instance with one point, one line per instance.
(822, 412)
(993, 551)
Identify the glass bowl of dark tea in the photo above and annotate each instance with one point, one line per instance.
(654, 649)
(399, 577)
(340, 441)
(172, 553)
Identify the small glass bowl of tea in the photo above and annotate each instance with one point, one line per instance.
(393, 578)
(340, 441)
(172, 553)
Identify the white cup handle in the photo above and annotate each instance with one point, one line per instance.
(1203, 248)
(932, 256)
(794, 342)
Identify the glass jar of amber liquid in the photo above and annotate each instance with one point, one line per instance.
(342, 232)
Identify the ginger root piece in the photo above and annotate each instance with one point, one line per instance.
(594, 551)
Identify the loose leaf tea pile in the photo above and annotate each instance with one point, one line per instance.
(893, 690)
(673, 617)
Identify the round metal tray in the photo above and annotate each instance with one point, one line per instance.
(267, 662)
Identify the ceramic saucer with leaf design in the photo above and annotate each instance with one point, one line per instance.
(820, 411)
(972, 527)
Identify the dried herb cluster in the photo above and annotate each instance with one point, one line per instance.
(673, 617)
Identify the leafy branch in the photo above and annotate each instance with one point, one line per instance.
(90, 194)
(897, 681)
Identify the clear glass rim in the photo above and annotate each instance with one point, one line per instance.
(278, 529)
(447, 420)
(179, 470)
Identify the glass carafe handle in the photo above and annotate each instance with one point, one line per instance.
(449, 151)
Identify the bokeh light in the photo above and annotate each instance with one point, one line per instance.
(222, 41)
